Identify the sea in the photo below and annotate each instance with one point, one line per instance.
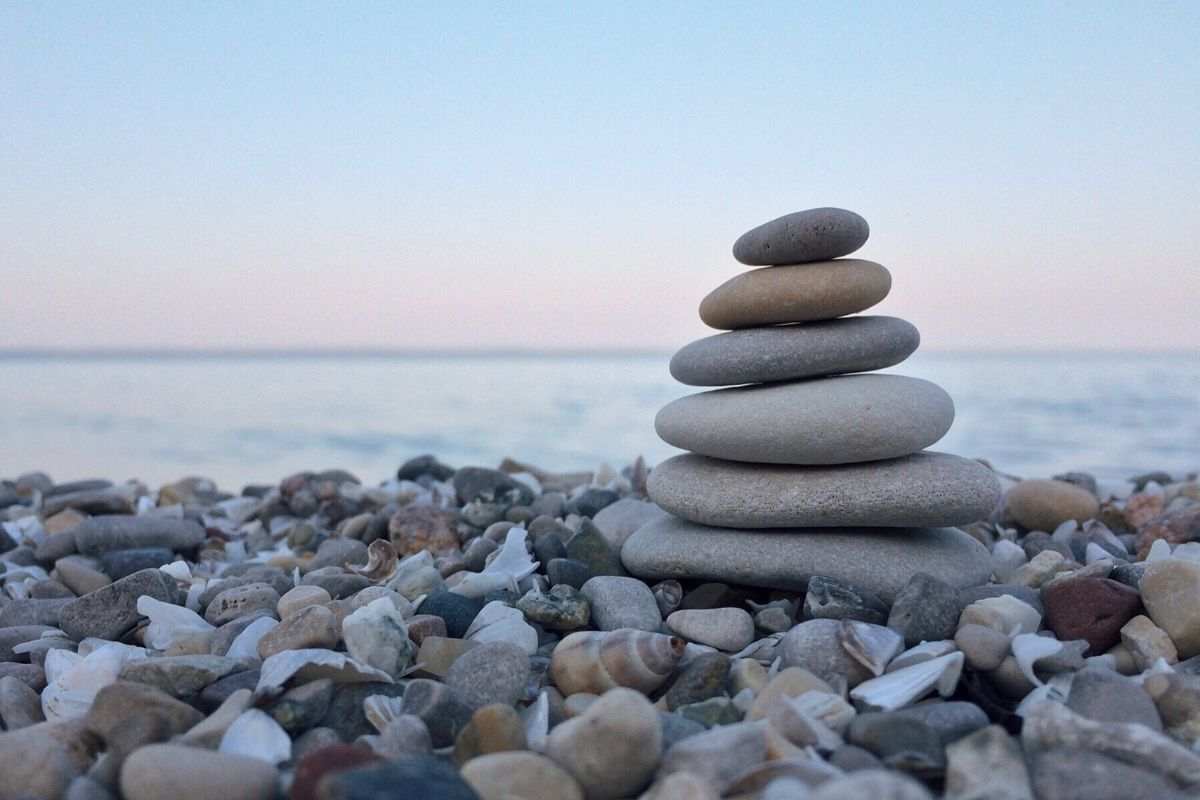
(242, 418)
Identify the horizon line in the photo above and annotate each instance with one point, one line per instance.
(264, 353)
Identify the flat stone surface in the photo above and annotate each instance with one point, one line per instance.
(841, 420)
(790, 352)
(111, 610)
(880, 560)
(922, 490)
(814, 234)
(798, 293)
(102, 534)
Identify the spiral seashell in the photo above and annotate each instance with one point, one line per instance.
(596, 661)
(381, 561)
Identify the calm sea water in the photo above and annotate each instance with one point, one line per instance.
(256, 419)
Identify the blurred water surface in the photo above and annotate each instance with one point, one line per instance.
(243, 419)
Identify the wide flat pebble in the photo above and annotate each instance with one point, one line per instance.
(164, 770)
(814, 234)
(800, 293)
(791, 352)
(840, 420)
(879, 560)
(922, 490)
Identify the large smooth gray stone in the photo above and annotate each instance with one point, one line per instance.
(815, 234)
(917, 491)
(880, 560)
(103, 534)
(790, 352)
(839, 420)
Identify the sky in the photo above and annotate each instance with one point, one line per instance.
(573, 175)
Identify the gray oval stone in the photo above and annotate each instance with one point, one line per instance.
(880, 560)
(796, 293)
(789, 352)
(838, 420)
(815, 234)
(918, 491)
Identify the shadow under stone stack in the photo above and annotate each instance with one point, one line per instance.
(810, 463)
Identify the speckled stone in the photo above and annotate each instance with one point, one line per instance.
(1044, 505)
(878, 560)
(814, 234)
(799, 293)
(791, 352)
(839, 420)
(922, 490)
(104, 533)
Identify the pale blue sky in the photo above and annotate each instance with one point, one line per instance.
(573, 175)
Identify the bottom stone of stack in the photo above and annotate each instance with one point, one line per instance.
(879, 559)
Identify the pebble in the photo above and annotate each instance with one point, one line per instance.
(423, 778)
(23, 613)
(1004, 613)
(681, 786)
(128, 715)
(1077, 774)
(926, 609)
(951, 720)
(922, 490)
(41, 760)
(239, 601)
(839, 420)
(493, 728)
(875, 784)
(179, 676)
(703, 677)
(791, 352)
(810, 293)
(376, 635)
(589, 547)
(563, 608)
(983, 648)
(1104, 696)
(441, 708)
(618, 521)
(568, 571)
(1147, 642)
(318, 762)
(347, 713)
(879, 562)
(493, 672)
(1093, 609)
(457, 611)
(20, 705)
(789, 682)
(165, 770)
(102, 534)
(729, 629)
(1045, 504)
(1170, 589)
(303, 706)
(611, 749)
(80, 574)
(520, 776)
(339, 552)
(815, 234)
(437, 654)
(116, 564)
(719, 755)
(420, 528)
(301, 597)
(312, 626)
(988, 765)
(110, 611)
(618, 602)
(900, 742)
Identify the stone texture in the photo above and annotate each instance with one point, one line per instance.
(519, 776)
(251, 598)
(719, 755)
(792, 352)
(110, 611)
(987, 765)
(421, 778)
(814, 234)
(879, 561)
(1171, 592)
(800, 293)
(618, 602)
(1068, 773)
(728, 629)
(1104, 696)
(179, 676)
(828, 598)
(617, 522)
(312, 626)
(493, 672)
(1045, 504)
(612, 748)
(20, 705)
(1092, 609)
(128, 715)
(40, 761)
(167, 770)
(839, 420)
(494, 728)
(926, 610)
(102, 534)
(922, 490)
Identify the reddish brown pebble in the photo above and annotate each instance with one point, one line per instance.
(1175, 527)
(1093, 609)
(326, 761)
(422, 625)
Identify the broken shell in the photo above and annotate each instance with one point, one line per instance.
(905, 686)
(381, 561)
(536, 720)
(873, 646)
(311, 664)
(500, 622)
(925, 651)
(764, 650)
(830, 709)
(257, 735)
(1028, 648)
(505, 568)
(596, 661)
(381, 709)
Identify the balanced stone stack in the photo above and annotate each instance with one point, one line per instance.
(807, 466)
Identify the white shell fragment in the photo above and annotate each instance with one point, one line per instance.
(873, 646)
(381, 709)
(499, 622)
(511, 564)
(1028, 648)
(536, 719)
(174, 627)
(74, 679)
(256, 735)
(905, 686)
(312, 664)
(245, 646)
(925, 651)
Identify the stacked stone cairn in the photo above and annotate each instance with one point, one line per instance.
(810, 463)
